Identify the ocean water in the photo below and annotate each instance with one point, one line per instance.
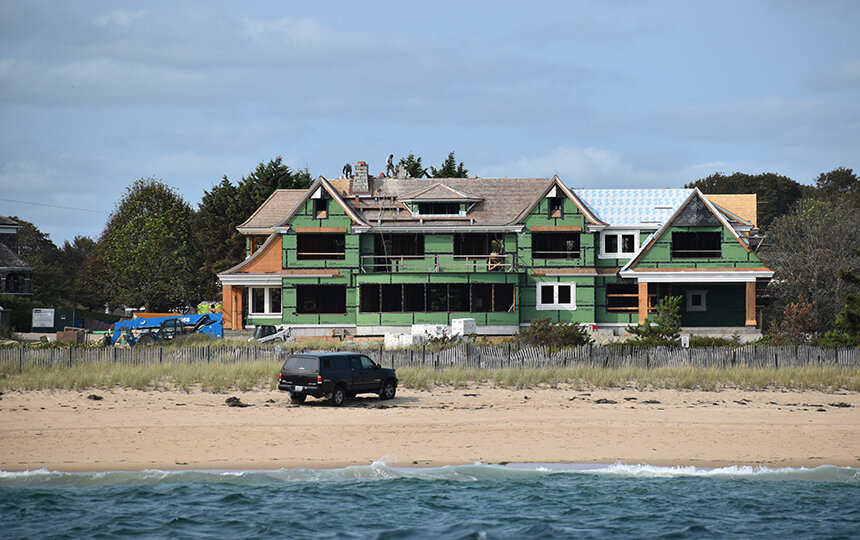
(469, 501)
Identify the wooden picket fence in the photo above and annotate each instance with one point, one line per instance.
(463, 355)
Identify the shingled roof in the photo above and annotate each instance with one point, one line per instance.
(9, 260)
(498, 200)
(272, 211)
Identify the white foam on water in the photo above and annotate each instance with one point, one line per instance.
(383, 469)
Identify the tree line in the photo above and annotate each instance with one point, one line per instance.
(158, 252)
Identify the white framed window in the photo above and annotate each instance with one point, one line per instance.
(556, 296)
(619, 244)
(264, 301)
(697, 300)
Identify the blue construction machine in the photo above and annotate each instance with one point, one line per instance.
(151, 330)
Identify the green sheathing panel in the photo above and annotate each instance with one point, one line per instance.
(436, 317)
(337, 217)
(725, 304)
(251, 320)
(571, 217)
(289, 301)
(600, 311)
(733, 254)
(584, 311)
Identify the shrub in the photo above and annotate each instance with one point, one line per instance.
(544, 332)
(666, 327)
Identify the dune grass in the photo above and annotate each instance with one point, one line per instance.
(211, 377)
(227, 376)
(824, 379)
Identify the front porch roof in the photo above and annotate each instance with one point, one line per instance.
(697, 275)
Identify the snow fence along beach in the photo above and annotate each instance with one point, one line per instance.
(465, 501)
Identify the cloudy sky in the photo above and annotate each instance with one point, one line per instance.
(94, 95)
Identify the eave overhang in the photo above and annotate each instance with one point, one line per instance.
(698, 275)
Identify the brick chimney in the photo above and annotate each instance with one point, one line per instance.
(361, 178)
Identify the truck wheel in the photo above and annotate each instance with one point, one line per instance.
(298, 399)
(146, 340)
(388, 390)
(338, 396)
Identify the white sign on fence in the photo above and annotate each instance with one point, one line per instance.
(43, 317)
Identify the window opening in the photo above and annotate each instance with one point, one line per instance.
(274, 300)
(320, 299)
(610, 243)
(392, 298)
(458, 297)
(622, 297)
(439, 208)
(258, 300)
(369, 302)
(697, 300)
(264, 300)
(320, 208)
(257, 242)
(696, 245)
(396, 247)
(628, 243)
(419, 297)
(413, 297)
(619, 244)
(437, 297)
(556, 207)
(555, 245)
(315, 247)
(503, 297)
(556, 296)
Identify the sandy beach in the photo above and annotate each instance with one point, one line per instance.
(134, 430)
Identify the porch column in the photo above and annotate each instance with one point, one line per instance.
(750, 303)
(643, 302)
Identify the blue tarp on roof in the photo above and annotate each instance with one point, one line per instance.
(633, 207)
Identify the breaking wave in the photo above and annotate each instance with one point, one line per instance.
(380, 470)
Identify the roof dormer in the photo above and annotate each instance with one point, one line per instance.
(439, 200)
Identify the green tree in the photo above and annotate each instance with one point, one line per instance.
(450, 169)
(227, 206)
(839, 183)
(37, 249)
(666, 325)
(849, 316)
(807, 248)
(775, 194)
(146, 255)
(54, 269)
(413, 166)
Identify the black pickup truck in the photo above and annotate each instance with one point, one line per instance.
(335, 376)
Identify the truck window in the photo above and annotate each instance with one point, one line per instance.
(302, 363)
(366, 362)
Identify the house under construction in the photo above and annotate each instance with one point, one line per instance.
(368, 256)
